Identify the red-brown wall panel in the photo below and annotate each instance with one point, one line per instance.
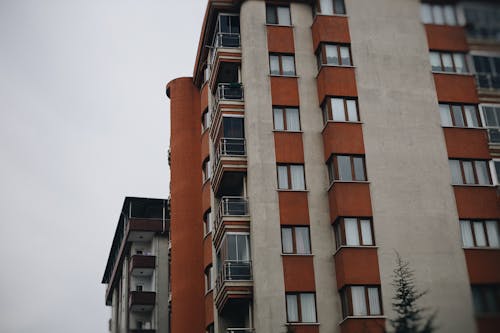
(336, 81)
(209, 308)
(479, 202)
(349, 199)
(343, 138)
(333, 29)
(446, 38)
(280, 39)
(466, 143)
(363, 324)
(288, 147)
(294, 208)
(356, 265)
(456, 88)
(483, 266)
(297, 328)
(284, 91)
(299, 273)
(204, 98)
(488, 324)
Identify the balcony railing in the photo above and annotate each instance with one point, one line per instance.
(488, 80)
(240, 330)
(231, 206)
(226, 39)
(234, 270)
(228, 92)
(494, 135)
(229, 147)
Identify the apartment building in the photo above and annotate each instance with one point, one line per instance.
(314, 140)
(136, 272)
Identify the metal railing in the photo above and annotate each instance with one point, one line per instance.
(231, 206)
(228, 147)
(240, 330)
(488, 80)
(229, 92)
(227, 39)
(234, 270)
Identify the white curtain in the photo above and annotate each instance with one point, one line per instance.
(444, 111)
(447, 62)
(351, 231)
(332, 57)
(279, 124)
(479, 233)
(492, 230)
(366, 232)
(326, 7)
(288, 64)
(482, 172)
(468, 172)
(425, 13)
(457, 115)
(456, 174)
(471, 116)
(374, 302)
(435, 61)
(359, 168)
(338, 109)
(274, 64)
(308, 307)
(284, 16)
(282, 177)
(287, 241)
(352, 110)
(292, 119)
(358, 301)
(459, 60)
(449, 15)
(437, 12)
(466, 231)
(302, 240)
(345, 56)
(344, 167)
(297, 173)
(292, 309)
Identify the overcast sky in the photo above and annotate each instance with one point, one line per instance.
(84, 122)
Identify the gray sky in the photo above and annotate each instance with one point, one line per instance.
(84, 121)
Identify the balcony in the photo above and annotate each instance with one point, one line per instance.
(230, 156)
(227, 93)
(227, 39)
(232, 214)
(142, 301)
(240, 330)
(142, 265)
(234, 282)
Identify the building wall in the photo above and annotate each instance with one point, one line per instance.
(161, 271)
(413, 205)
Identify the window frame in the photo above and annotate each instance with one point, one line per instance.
(483, 292)
(321, 57)
(319, 12)
(207, 223)
(294, 240)
(206, 170)
(485, 233)
(454, 71)
(205, 120)
(485, 123)
(284, 110)
(464, 115)
(209, 278)
(280, 62)
(327, 104)
(276, 16)
(289, 176)
(341, 236)
(433, 19)
(299, 307)
(333, 169)
(347, 303)
(474, 170)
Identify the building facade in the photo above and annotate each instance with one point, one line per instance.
(137, 271)
(316, 139)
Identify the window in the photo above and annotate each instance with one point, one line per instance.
(458, 115)
(482, 20)
(438, 14)
(138, 287)
(286, 119)
(278, 15)
(340, 109)
(448, 62)
(291, 177)
(346, 168)
(295, 240)
(496, 167)
(491, 120)
(334, 54)
(300, 307)
(207, 222)
(361, 301)
(210, 329)
(480, 233)
(487, 71)
(331, 7)
(205, 120)
(209, 278)
(470, 172)
(206, 170)
(233, 258)
(353, 231)
(486, 299)
(281, 64)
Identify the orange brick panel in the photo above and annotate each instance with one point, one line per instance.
(204, 98)
(483, 266)
(467, 143)
(336, 81)
(363, 325)
(356, 266)
(288, 147)
(207, 251)
(294, 208)
(280, 39)
(284, 91)
(456, 88)
(297, 328)
(446, 38)
(343, 138)
(299, 273)
(349, 199)
(209, 308)
(477, 202)
(334, 29)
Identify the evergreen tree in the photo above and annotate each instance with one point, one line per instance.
(410, 317)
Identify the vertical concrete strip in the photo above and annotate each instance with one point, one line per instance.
(269, 293)
(413, 205)
(322, 242)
